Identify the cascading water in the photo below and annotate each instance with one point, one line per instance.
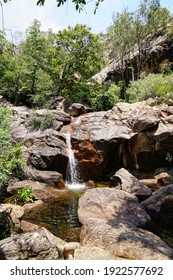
(72, 174)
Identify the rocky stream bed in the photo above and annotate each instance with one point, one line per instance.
(126, 147)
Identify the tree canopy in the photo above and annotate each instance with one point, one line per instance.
(79, 4)
(48, 64)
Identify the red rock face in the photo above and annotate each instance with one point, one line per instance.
(131, 135)
(90, 160)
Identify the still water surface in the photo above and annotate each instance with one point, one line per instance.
(58, 215)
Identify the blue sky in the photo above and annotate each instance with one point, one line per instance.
(19, 14)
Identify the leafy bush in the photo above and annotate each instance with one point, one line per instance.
(25, 195)
(169, 158)
(10, 156)
(154, 85)
(105, 100)
(4, 127)
(11, 162)
(40, 122)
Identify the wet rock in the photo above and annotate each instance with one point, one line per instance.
(122, 179)
(128, 135)
(30, 206)
(29, 246)
(90, 184)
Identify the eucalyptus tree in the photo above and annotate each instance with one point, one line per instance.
(150, 18)
(129, 31)
(7, 68)
(120, 35)
(35, 81)
(80, 55)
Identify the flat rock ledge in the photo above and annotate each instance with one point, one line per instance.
(112, 220)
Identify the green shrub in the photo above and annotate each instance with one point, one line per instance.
(105, 100)
(154, 85)
(40, 122)
(25, 195)
(11, 160)
(80, 92)
(4, 127)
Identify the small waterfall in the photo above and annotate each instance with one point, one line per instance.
(72, 174)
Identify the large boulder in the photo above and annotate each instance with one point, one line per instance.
(125, 181)
(10, 217)
(29, 246)
(58, 103)
(96, 139)
(145, 119)
(112, 219)
(113, 205)
(44, 148)
(160, 205)
(77, 109)
(51, 178)
(125, 241)
(48, 152)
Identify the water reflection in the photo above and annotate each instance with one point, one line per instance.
(59, 216)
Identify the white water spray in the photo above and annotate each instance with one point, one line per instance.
(72, 175)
